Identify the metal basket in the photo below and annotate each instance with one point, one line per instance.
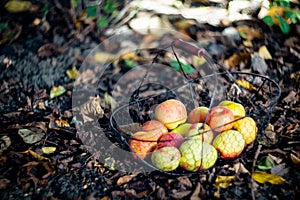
(257, 93)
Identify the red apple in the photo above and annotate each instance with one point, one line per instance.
(171, 113)
(220, 118)
(154, 126)
(198, 115)
(142, 143)
(171, 139)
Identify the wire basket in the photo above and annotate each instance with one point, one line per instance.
(257, 93)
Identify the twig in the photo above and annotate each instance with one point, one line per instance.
(252, 170)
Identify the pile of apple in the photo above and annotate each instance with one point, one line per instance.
(177, 138)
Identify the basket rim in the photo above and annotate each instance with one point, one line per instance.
(115, 129)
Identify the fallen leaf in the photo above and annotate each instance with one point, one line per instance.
(32, 135)
(263, 177)
(295, 159)
(264, 53)
(45, 162)
(265, 163)
(187, 68)
(280, 169)
(245, 84)
(236, 59)
(50, 49)
(223, 181)
(91, 109)
(57, 91)
(248, 33)
(15, 6)
(110, 101)
(258, 64)
(72, 73)
(5, 142)
(48, 150)
(58, 123)
(125, 179)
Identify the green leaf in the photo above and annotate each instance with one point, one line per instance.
(291, 15)
(265, 163)
(48, 150)
(187, 68)
(284, 26)
(268, 20)
(102, 22)
(91, 11)
(57, 91)
(129, 63)
(109, 7)
(31, 136)
(297, 15)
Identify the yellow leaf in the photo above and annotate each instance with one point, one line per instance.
(130, 56)
(45, 162)
(264, 53)
(72, 73)
(57, 91)
(15, 6)
(248, 33)
(263, 177)
(48, 150)
(223, 181)
(277, 11)
(245, 84)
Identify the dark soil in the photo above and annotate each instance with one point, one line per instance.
(36, 61)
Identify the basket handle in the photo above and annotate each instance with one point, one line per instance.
(189, 48)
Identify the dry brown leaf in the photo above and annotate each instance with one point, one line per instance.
(45, 162)
(5, 142)
(50, 49)
(125, 179)
(91, 110)
(248, 33)
(263, 177)
(236, 59)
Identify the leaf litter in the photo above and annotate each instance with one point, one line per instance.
(79, 171)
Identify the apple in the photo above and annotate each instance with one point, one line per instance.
(229, 143)
(182, 128)
(171, 113)
(198, 115)
(247, 127)
(200, 131)
(142, 143)
(166, 158)
(237, 109)
(154, 126)
(220, 118)
(171, 139)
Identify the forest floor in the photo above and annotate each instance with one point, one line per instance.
(52, 89)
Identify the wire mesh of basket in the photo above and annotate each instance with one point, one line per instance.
(258, 94)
